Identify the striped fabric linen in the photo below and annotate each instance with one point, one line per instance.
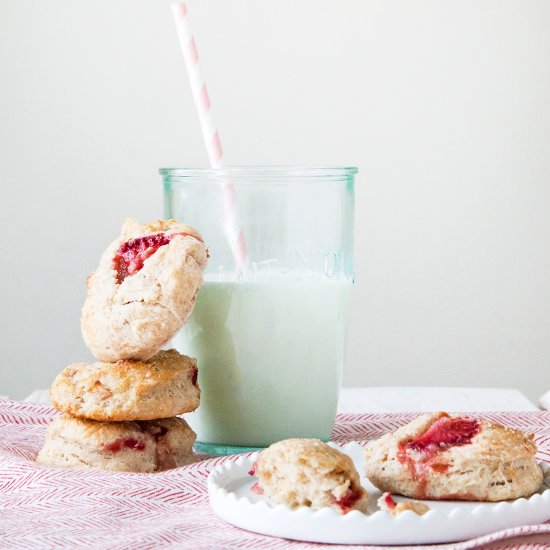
(56, 508)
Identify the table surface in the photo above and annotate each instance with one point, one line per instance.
(428, 399)
(64, 508)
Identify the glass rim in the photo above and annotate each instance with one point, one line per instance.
(271, 171)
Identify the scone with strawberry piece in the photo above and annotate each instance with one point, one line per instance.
(143, 290)
(307, 472)
(163, 386)
(454, 457)
(149, 446)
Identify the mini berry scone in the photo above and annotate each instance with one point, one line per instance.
(443, 457)
(307, 472)
(145, 447)
(161, 387)
(143, 290)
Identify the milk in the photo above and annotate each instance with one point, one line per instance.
(270, 356)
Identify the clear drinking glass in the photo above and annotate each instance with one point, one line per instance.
(269, 338)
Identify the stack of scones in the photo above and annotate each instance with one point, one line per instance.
(121, 412)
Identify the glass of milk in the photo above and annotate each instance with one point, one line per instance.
(269, 337)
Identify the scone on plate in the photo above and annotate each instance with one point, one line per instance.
(307, 472)
(143, 290)
(150, 446)
(439, 456)
(160, 387)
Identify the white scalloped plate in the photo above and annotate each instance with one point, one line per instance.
(231, 498)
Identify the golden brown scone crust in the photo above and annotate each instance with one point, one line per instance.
(497, 464)
(307, 472)
(160, 387)
(150, 446)
(134, 319)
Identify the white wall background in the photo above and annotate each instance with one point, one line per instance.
(444, 106)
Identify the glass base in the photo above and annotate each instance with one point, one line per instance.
(221, 449)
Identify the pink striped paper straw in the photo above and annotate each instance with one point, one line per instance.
(210, 134)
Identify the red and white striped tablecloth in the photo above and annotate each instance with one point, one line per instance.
(55, 508)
